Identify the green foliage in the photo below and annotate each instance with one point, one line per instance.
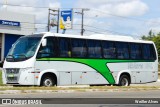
(1, 78)
(155, 38)
(150, 36)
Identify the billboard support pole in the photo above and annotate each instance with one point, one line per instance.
(58, 21)
(54, 14)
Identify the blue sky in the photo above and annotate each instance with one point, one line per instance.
(154, 9)
(126, 17)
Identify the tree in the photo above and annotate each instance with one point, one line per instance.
(150, 36)
(156, 40)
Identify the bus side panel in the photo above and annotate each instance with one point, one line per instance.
(140, 72)
(72, 72)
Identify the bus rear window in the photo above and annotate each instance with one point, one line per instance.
(148, 52)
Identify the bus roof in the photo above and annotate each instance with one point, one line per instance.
(99, 37)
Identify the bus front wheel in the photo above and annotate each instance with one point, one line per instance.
(48, 81)
(124, 80)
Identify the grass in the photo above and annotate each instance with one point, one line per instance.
(1, 78)
(159, 70)
(93, 88)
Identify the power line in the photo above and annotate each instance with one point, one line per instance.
(33, 23)
(84, 25)
(130, 18)
(94, 31)
(22, 5)
(124, 17)
(106, 30)
(16, 5)
(101, 32)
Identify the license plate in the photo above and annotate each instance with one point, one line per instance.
(10, 75)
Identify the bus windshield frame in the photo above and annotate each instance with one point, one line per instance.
(24, 48)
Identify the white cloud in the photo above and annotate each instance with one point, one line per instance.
(41, 14)
(116, 7)
(104, 10)
(20, 2)
(155, 29)
(153, 24)
(97, 16)
(133, 8)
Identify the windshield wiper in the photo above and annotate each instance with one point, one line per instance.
(11, 56)
(21, 55)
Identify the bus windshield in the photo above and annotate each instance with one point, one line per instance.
(23, 49)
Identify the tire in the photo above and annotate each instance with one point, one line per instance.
(48, 81)
(124, 81)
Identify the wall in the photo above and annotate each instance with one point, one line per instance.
(9, 40)
(27, 21)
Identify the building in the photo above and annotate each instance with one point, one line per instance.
(12, 26)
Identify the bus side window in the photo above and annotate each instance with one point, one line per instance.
(79, 48)
(109, 50)
(64, 50)
(122, 50)
(94, 49)
(48, 50)
(135, 51)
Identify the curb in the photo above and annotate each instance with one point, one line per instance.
(74, 86)
(73, 91)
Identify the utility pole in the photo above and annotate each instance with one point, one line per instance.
(48, 20)
(50, 12)
(54, 14)
(82, 30)
(82, 13)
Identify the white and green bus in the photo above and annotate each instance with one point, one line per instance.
(50, 59)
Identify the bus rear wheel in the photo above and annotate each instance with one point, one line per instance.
(48, 81)
(124, 80)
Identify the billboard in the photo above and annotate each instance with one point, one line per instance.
(66, 19)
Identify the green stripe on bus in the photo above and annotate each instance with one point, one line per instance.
(100, 65)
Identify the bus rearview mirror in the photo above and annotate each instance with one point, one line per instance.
(44, 42)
